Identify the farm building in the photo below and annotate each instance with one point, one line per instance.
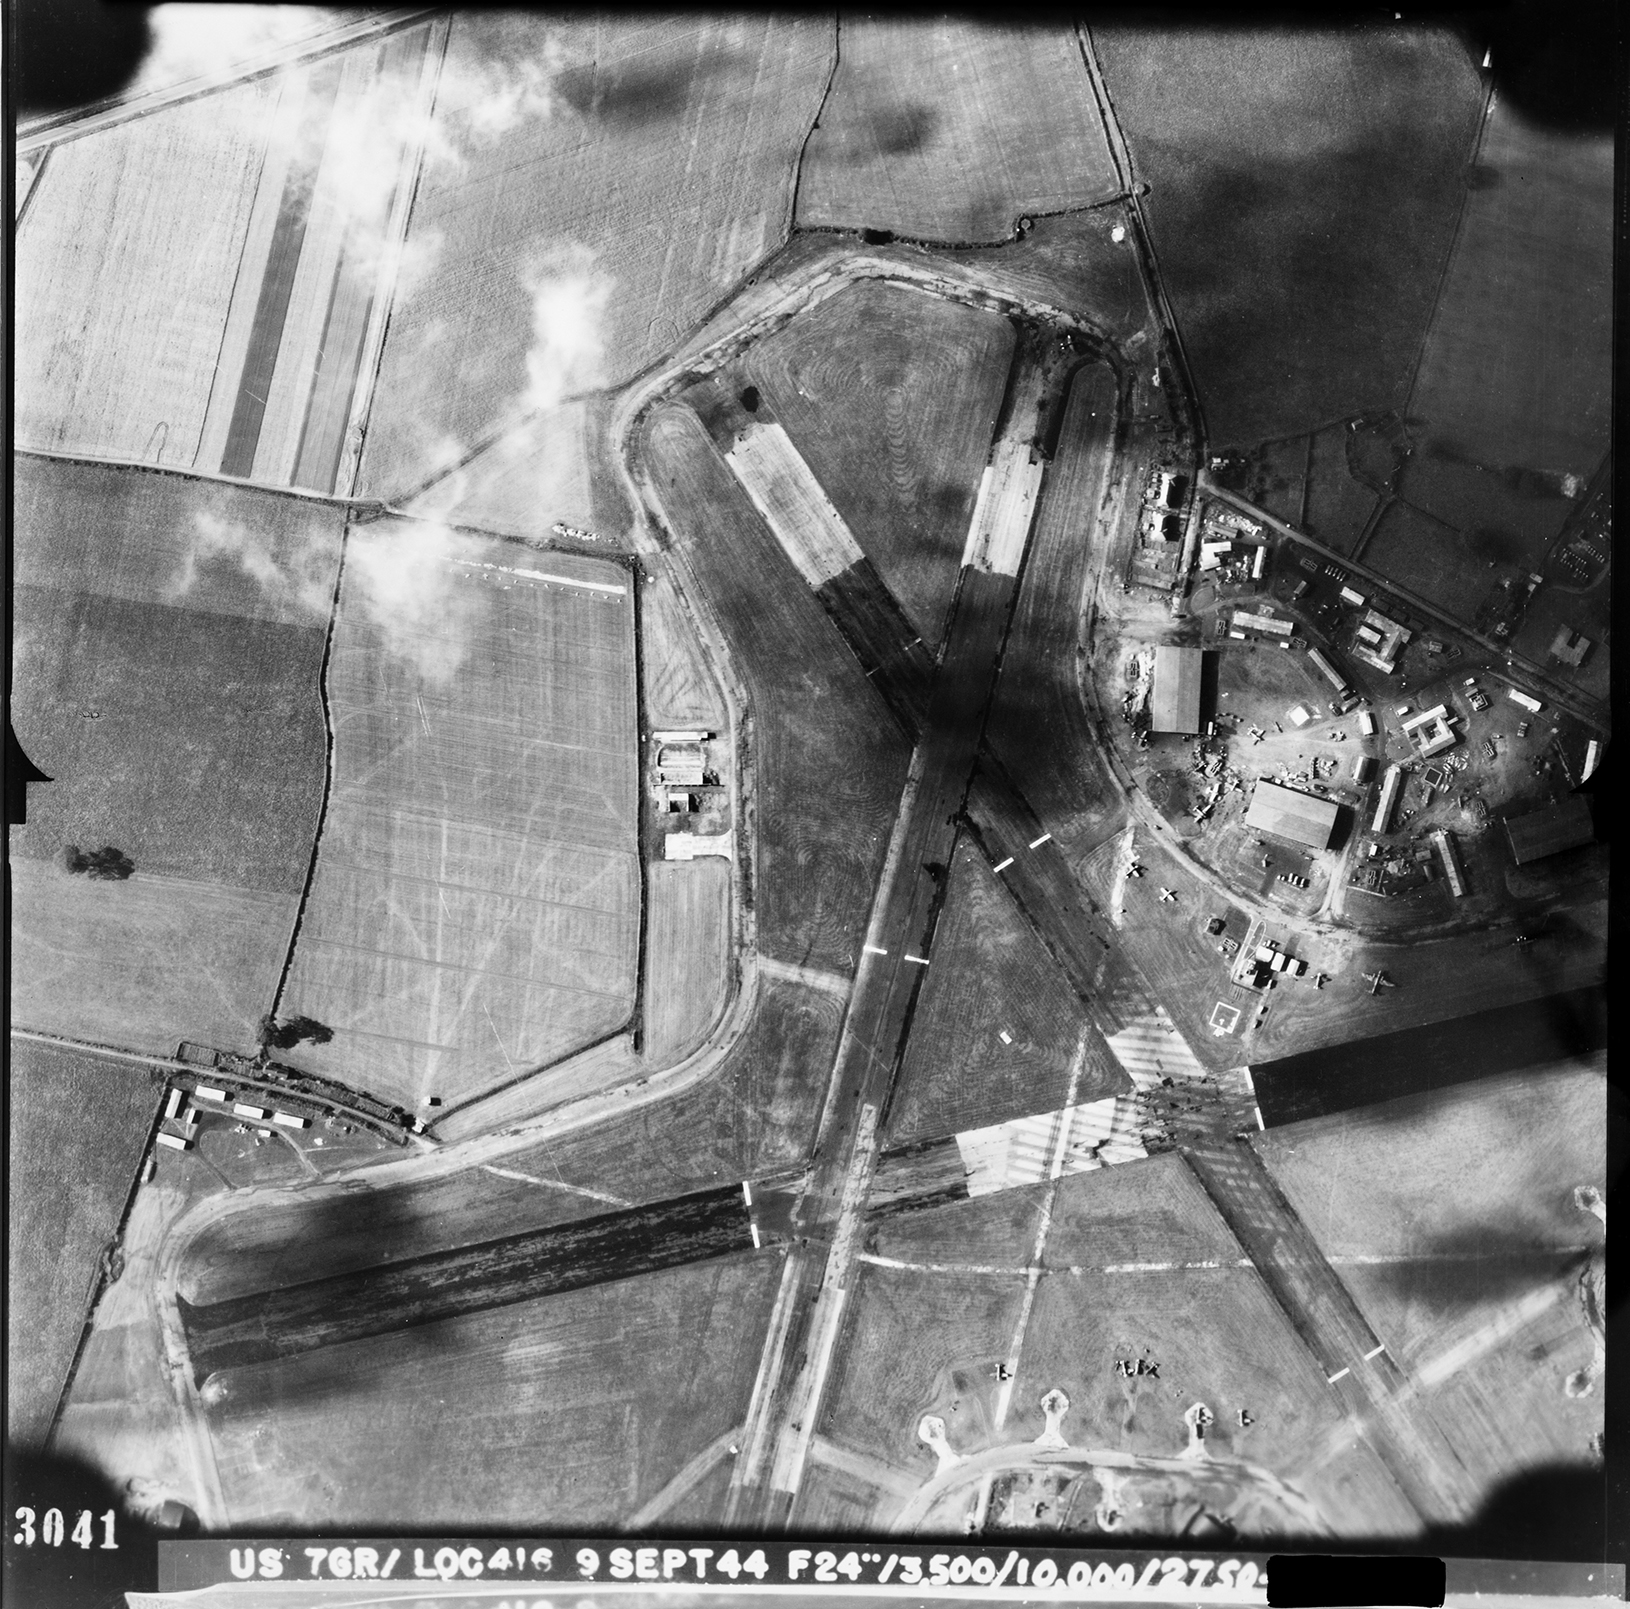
(1174, 700)
(1299, 817)
(1561, 826)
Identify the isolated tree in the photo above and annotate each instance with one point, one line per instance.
(286, 1035)
(107, 864)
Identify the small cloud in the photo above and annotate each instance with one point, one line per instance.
(415, 592)
(299, 576)
(568, 304)
(195, 41)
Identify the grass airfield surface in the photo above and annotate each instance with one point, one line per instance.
(584, 216)
(441, 1426)
(1304, 189)
(166, 659)
(1136, 1264)
(475, 908)
(1450, 1217)
(951, 129)
(68, 1183)
(827, 759)
(891, 396)
(992, 975)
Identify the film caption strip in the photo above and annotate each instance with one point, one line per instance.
(1026, 1571)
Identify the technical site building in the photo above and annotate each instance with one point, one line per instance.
(1302, 818)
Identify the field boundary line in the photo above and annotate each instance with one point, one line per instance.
(58, 128)
(815, 123)
(1485, 113)
(328, 773)
(35, 175)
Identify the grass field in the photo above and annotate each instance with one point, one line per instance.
(474, 911)
(1304, 189)
(1074, 262)
(79, 1126)
(1038, 725)
(680, 690)
(828, 761)
(991, 976)
(126, 262)
(1450, 1217)
(1516, 368)
(572, 1408)
(891, 397)
(1427, 556)
(647, 170)
(168, 641)
(1337, 505)
(951, 129)
(688, 956)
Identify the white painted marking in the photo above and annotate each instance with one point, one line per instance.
(543, 575)
(1005, 1037)
(1375, 1352)
(1338, 1375)
(918, 960)
(1259, 1123)
(754, 1228)
(1036, 843)
(746, 1192)
(1002, 866)
(874, 949)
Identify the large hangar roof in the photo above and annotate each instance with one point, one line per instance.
(1565, 825)
(1285, 813)
(1174, 700)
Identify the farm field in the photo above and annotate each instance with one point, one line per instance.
(69, 1181)
(1515, 371)
(1038, 725)
(991, 976)
(166, 659)
(688, 961)
(1450, 1217)
(827, 760)
(1302, 203)
(680, 689)
(1427, 556)
(952, 129)
(622, 1383)
(235, 345)
(475, 906)
(588, 222)
(1074, 262)
(126, 261)
(891, 397)
(1338, 506)
(556, 467)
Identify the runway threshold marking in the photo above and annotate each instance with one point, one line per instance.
(1003, 865)
(874, 949)
(754, 1227)
(746, 1192)
(1036, 843)
(1338, 1375)
(1375, 1351)
(918, 960)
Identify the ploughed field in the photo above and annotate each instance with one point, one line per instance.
(951, 129)
(202, 279)
(581, 218)
(474, 912)
(168, 645)
(1304, 190)
(69, 1182)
